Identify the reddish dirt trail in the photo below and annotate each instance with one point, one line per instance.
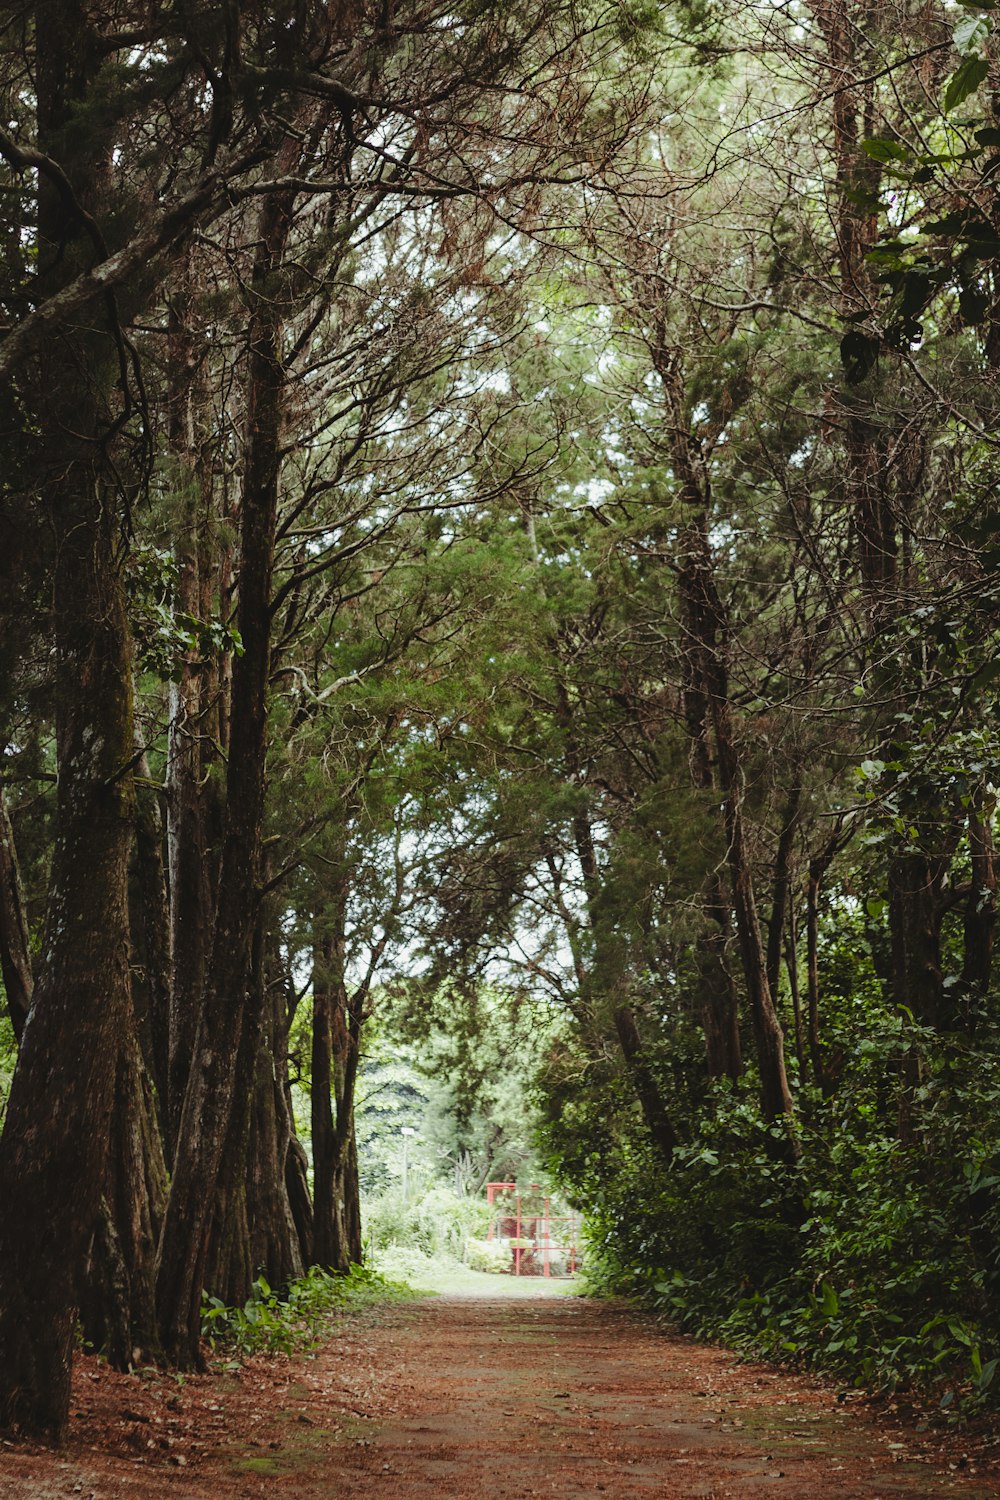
(453, 1398)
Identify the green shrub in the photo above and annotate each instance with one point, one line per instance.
(438, 1223)
(487, 1255)
(272, 1323)
(872, 1256)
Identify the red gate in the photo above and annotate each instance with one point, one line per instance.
(541, 1244)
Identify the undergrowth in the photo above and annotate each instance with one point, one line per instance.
(299, 1317)
(871, 1255)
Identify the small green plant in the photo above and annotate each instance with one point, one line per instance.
(272, 1323)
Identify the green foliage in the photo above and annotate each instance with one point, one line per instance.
(270, 1322)
(438, 1221)
(488, 1255)
(8, 1056)
(166, 636)
(872, 1256)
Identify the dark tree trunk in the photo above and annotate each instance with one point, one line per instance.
(154, 919)
(53, 1152)
(196, 742)
(719, 1000)
(299, 1199)
(187, 842)
(609, 964)
(190, 896)
(708, 634)
(650, 1101)
(776, 1097)
(208, 1102)
(352, 1200)
(327, 1237)
(915, 914)
(15, 953)
(117, 1300)
(878, 492)
(337, 1022)
(54, 1148)
(274, 1242)
(229, 1270)
(780, 886)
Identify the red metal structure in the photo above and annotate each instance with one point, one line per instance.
(541, 1244)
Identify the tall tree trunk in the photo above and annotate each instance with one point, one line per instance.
(352, 1200)
(647, 1090)
(915, 914)
(229, 1270)
(274, 1241)
(717, 991)
(299, 1197)
(208, 1100)
(706, 630)
(780, 886)
(610, 963)
(337, 1022)
(708, 710)
(54, 1148)
(187, 842)
(776, 1096)
(877, 491)
(327, 1235)
(154, 923)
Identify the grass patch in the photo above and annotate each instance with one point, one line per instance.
(443, 1275)
(267, 1466)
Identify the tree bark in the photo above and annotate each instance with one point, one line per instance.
(154, 923)
(780, 886)
(915, 927)
(117, 1300)
(337, 1025)
(187, 842)
(274, 1241)
(707, 633)
(208, 1100)
(327, 1230)
(53, 1152)
(719, 1000)
(708, 710)
(54, 1148)
(657, 1121)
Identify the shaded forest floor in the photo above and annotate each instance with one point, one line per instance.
(448, 1398)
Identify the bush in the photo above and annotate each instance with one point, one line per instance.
(487, 1255)
(438, 1223)
(871, 1256)
(272, 1323)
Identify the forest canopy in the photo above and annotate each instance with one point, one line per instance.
(499, 511)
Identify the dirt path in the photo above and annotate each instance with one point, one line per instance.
(453, 1398)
